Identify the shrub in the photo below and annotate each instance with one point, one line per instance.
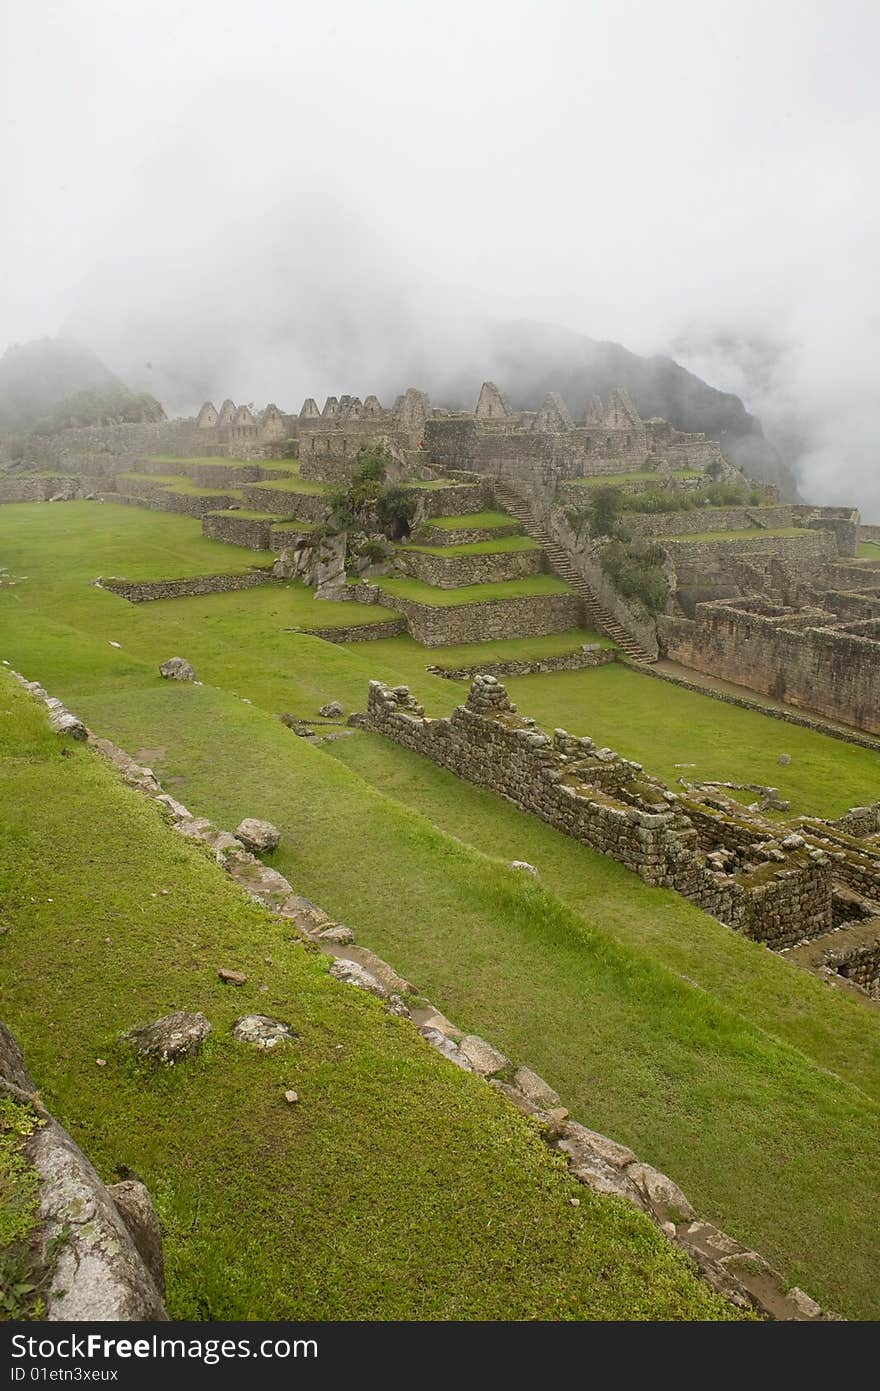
(395, 509)
(636, 572)
(372, 464)
(373, 550)
(605, 510)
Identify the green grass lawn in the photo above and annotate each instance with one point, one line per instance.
(290, 485)
(749, 533)
(173, 483)
(420, 593)
(637, 1051)
(503, 543)
(678, 733)
(473, 521)
(213, 461)
(868, 550)
(713, 1057)
(616, 480)
(397, 1187)
(430, 484)
(250, 516)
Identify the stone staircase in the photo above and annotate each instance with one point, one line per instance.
(560, 563)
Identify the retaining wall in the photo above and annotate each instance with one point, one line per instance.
(143, 591)
(566, 783)
(834, 673)
(455, 571)
(532, 616)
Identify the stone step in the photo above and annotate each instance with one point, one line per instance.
(561, 564)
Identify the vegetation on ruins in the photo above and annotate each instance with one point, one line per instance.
(685, 500)
(635, 568)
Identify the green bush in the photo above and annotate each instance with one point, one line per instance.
(374, 551)
(395, 510)
(605, 509)
(636, 572)
(372, 464)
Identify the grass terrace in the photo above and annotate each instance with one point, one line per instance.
(418, 593)
(171, 483)
(218, 462)
(868, 550)
(250, 516)
(746, 534)
(291, 485)
(398, 1187)
(431, 484)
(473, 521)
(618, 480)
(678, 733)
(699, 1089)
(503, 543)
(750, 1082)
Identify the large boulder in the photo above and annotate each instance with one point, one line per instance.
(261, 837)
(330, 577)
(174, 1036)
(482, 1056)
(177, 669)
(135, 1206)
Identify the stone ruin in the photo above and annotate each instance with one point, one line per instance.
(775, 885)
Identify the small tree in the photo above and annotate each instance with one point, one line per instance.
(605, 511)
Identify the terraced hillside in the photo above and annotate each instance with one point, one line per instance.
(656, 1024)
(397, 1187)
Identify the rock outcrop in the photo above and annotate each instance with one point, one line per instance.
(100, 1249)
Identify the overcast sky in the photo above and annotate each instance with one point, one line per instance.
(693, 176)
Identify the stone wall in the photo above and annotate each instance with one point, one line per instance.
(360, 632)
(307, 507)
(453, 500)
(464, 535)
(36, 487)
(702, 519)
(588, 656)
(607, 803)
(702, 558)
(143, 591)
(585, 557)
(126, 441)
(830, 671)
(251, 532)
(454, 571)
(445, 626)
(284, 538)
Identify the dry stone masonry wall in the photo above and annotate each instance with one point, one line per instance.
(772, 894)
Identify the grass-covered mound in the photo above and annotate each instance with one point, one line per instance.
(397, 1187)
(532, 586)
(473, 521)
(503, 543)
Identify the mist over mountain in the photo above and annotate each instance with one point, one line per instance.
(37, 375)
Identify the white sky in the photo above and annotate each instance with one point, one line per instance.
(662, 172)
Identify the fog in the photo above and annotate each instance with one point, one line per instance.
(277, 199)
